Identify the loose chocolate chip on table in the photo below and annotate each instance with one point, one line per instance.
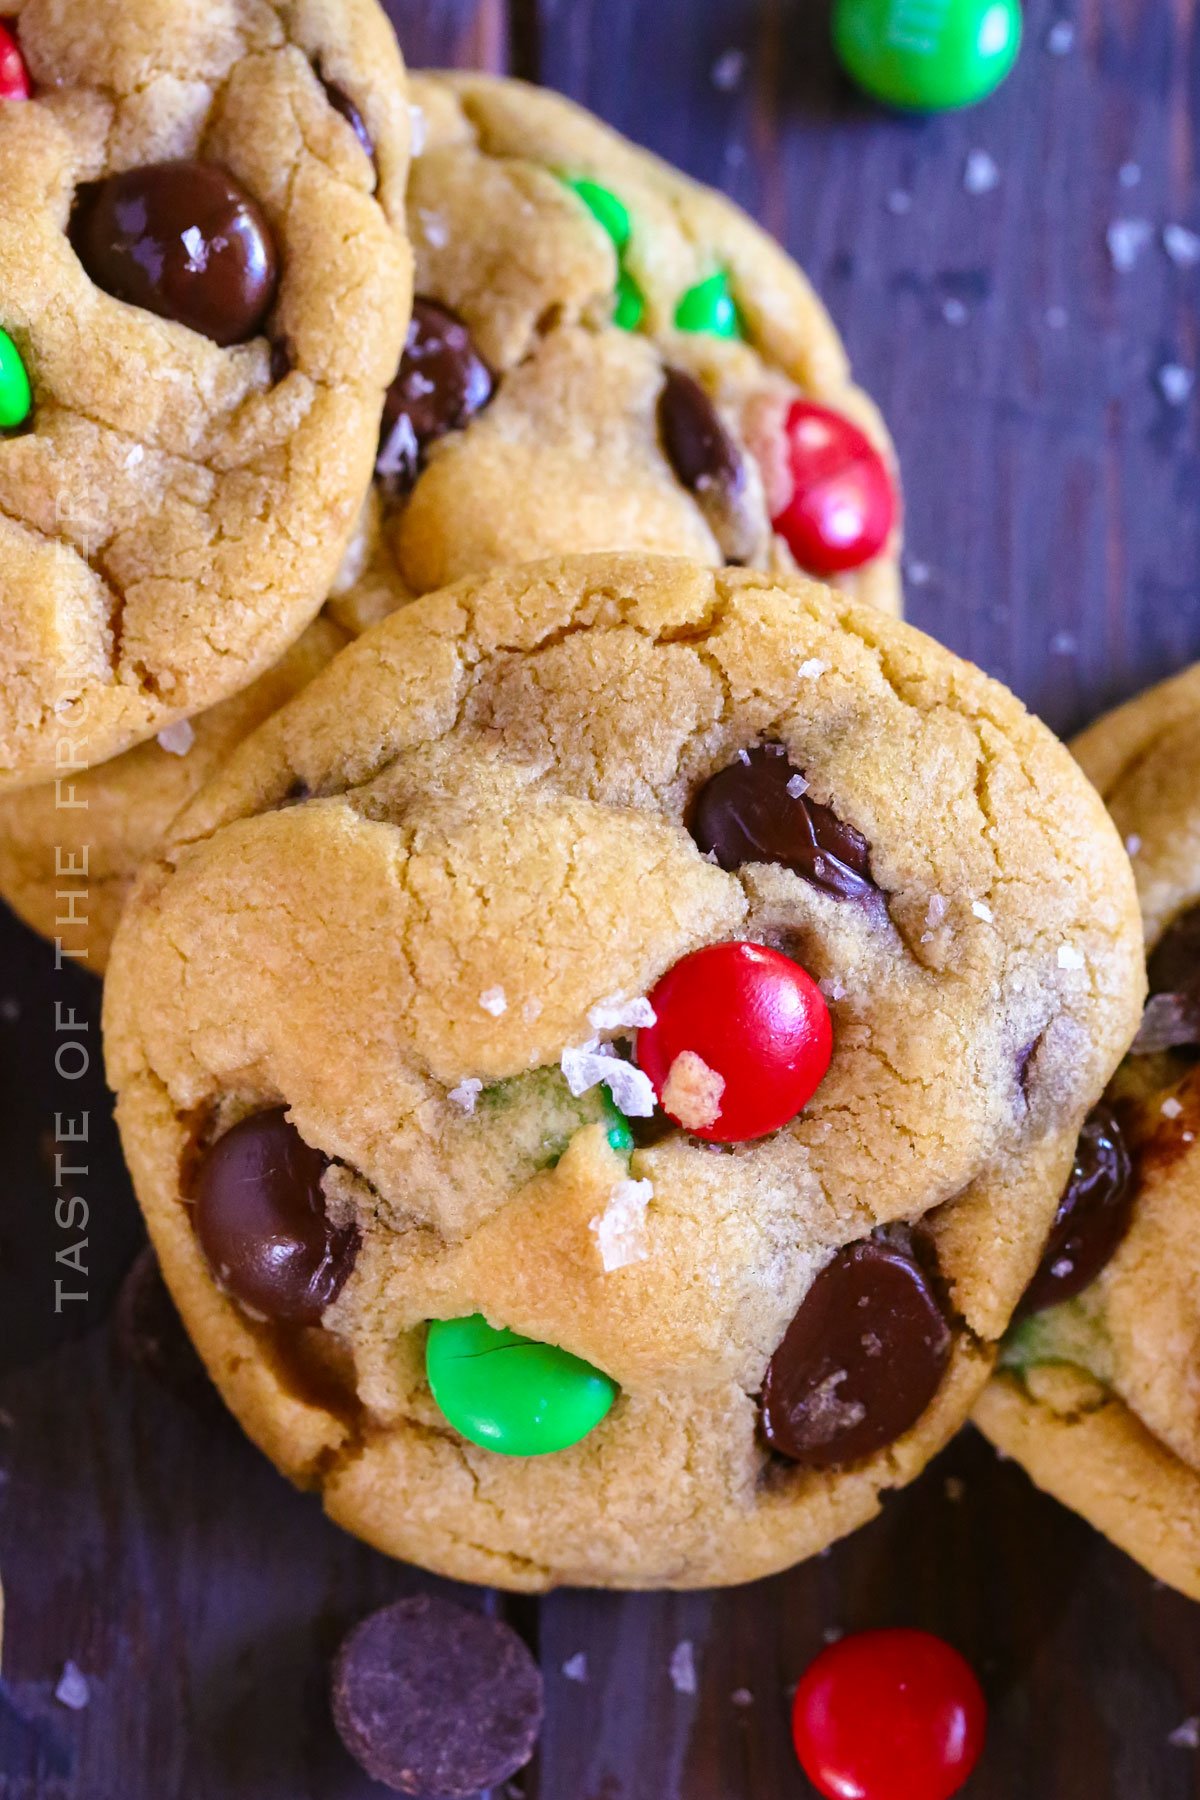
(1093, 1214)
(182, 240)
(149, 1333)
(860, 1361)
(341, 103)
(435, 1700)
(707, 460)
(442, 382)
(261, 1221)
(757, 810)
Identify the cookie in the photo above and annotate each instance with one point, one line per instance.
(205, 282)
(435, 1699)
(1099, 1398)
(546, 1317)
(525, 421)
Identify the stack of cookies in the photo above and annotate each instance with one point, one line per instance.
(609, 1025)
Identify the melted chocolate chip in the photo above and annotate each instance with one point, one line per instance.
(433, 1698)
(746, 814)
(860, 1361)
(261, 1221)
(707, 460)
(341, 103)
(281, 361)
(182, 240)
(442, 382)
(1093, 1214)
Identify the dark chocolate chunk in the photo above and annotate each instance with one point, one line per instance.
(708, 462)
(261, 1221)
(281, 361)
(746, 814)
(1093, 1214)
(183, 240)
(441, 384)
(433, 1699)
(341, 103)
(860, 1361)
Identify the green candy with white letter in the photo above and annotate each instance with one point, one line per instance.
(509, 1393)
(927, 55)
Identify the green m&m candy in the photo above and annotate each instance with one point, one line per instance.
(509, 1393)
(608, 211)
(16, 398)
(709, 306)
(927, 55)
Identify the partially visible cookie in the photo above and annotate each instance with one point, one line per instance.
(526, 420)
(204, 273)
(431, 1215)
(1100, 1398)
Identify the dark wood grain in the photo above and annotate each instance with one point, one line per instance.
(1053, 535)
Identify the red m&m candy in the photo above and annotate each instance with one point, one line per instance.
(14, 79)
(842, 508)
(741, 1041)
(889, 1715)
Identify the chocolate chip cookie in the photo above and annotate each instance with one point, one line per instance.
(599, 1065)
(1100, 1397)
(602, 356)
(204, 288)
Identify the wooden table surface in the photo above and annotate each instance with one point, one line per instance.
(1052, 475)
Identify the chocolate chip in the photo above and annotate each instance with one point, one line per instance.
(442, 383)
(261, 1221)
(183, 240)
(860, 1361)
(149, 1333)
(708, 462)
(1093, 1214)
(757, 810)
(433, 1699)
(281, 361)
(1174, 966)
(341, 103)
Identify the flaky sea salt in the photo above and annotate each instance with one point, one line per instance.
(1181, 245)
(981, 173)
(954, 311)
(73, 1690)
(812, 669)
(531, 1011)
(494, 1000)
(434, 229)
(1171, 1108)
(982, 911)
(1185, 1736)
(196, 245)
(1069, 957)
(466, 1093)
(1060, 39)
(177, 739)
(683, 1668)
(796, 786)
(899, 202)
(1175, 383)
(586, 1065)
(620, 1230)
(728, 70)
(576, 1667)
(1133, 844)
(1126, 239)
(832, 988)
(1129, 174)
(616, 1014)
(418, 130)
(936, 911)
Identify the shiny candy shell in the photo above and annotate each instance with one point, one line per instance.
(510, 1393)
(927, 55)
(889, 1715)
(14, 78)
(16, 399)
(842, 508)
(709, 306)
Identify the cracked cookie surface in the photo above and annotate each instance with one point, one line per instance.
(1100, 1399)
(428, 877)
(174, 509)
(568, 453)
